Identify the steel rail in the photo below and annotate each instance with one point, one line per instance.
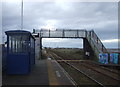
(101, 72)
(106, 69)
(80, 71)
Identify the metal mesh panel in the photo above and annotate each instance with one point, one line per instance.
(56, 33)
(81, 33)
(62, 33)
(70, 33)
(44, 33)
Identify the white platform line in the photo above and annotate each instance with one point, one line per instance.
(58, 74)
(67, 75)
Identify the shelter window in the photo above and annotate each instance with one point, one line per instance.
(18, 44)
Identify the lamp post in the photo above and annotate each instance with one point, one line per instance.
(21, 14)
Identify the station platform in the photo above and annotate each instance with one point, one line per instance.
(45, 72)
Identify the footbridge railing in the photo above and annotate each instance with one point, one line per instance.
(61, 33)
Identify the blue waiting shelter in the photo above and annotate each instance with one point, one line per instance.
(20, 52)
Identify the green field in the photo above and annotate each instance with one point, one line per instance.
(69, 53)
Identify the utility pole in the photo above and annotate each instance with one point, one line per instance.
(21, 14)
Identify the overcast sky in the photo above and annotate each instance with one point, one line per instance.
(100, 16)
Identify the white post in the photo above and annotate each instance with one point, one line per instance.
(21, 14)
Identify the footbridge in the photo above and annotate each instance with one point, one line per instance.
(92, 45)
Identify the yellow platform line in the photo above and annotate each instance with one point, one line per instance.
(51, 74)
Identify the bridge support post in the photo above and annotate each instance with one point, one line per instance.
(88, 52)
(40, 57)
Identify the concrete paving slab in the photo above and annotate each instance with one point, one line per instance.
(45, 72)
(38, 76)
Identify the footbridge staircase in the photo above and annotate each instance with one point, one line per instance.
(95, 43)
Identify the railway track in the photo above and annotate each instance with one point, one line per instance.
(98, 83)
(93, 64)
(104, 71)
(110, 70)
(98, 75)
(92, 69)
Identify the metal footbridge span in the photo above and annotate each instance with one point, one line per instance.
(91, 42)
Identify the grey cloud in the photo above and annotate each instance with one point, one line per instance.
(111, 45)
(100, 16)
(10, 16)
